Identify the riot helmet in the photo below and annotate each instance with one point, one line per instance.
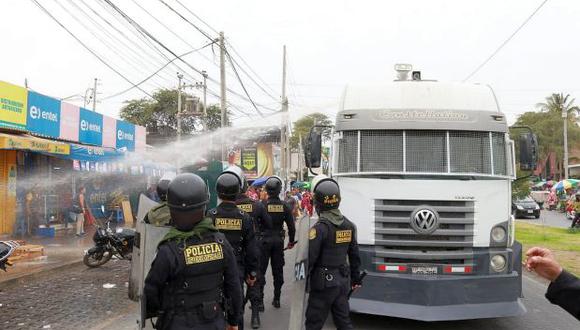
(162, 189)
(187, 198)
(239, 173)
(326, 193)
(273, 186)
(227, 186)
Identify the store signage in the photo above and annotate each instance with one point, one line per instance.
(90, 127)
(125, 136)
(43, 115)
(12, 106)
(249, 161)
(69, 122)
(34, 144)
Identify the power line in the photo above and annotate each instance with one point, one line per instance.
(154, 73)
(199, 18)
(242, 84)
(506, 41)
(188, 21)
(85, 46)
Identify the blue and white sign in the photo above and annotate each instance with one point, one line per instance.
(125, 136)
(90, 127)
(43, 115)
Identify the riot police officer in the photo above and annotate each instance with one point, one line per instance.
(195, 267)
(331, 240)
(273, 247)
(159, 215)
(238, 228)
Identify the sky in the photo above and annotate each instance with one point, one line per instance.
(329, 44)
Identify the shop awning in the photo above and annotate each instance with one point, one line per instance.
(93, 154)
(32, 143)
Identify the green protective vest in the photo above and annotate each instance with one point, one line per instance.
(159, 215)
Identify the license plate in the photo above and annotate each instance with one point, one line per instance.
(530, 211)
(424, 270)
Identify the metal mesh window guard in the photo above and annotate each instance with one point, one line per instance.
(470, 152)
(426, 151)
(348, 152)
(499, 153)
(382, 151)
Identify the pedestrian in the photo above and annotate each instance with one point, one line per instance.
(238, 229)
(159, 215)
(262, 224)
(292, 202)
(273, 247)
(307, 202)
(194, 272)
(564, 288)
(333, 260)
(80, 209)
(576, 207)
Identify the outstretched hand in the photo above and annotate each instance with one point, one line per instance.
(543, 262)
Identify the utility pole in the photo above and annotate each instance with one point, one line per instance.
(179, 77)
(565, 116)
(95, 96)
(300, 155)
(223, 88)
(204, 74)
(284, 124)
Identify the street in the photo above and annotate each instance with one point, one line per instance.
(74, 298)
(549, 218)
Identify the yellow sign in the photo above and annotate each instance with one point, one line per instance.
(343, 236)
(33, 144)
(312, 234)
(13, 102)
(228, 224)
(276, 208)
(246, 207)
(197, 254)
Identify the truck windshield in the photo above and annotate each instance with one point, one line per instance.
(422, 152)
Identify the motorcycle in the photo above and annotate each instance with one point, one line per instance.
(109, 243)
(6, 250)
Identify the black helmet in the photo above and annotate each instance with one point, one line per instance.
(239, 173)
(227, 186)
(273, 186)
(326, 194)
(187, 197)
(162, 189)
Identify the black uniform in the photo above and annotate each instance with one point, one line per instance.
(329, 272)
(187, 281)
(238, 229)
(273, 246)
(565, 292)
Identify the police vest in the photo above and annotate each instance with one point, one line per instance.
(230, 223)
(276, 210)
(335, 247)
(246, 204)
(199, 279)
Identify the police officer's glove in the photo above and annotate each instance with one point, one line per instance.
(251, 278)
(356, 283)
(290, 245)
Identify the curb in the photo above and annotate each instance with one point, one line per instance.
(37, 272)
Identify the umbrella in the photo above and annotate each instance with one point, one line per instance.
(260, 181)
(566, 184)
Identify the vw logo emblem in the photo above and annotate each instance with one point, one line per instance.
(424, 220)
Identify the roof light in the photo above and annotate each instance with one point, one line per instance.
(403, 71)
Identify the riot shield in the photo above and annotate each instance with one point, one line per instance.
(298, 304)
(145, 204)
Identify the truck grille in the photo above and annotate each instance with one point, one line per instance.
(397, 242)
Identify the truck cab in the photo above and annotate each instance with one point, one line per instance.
(425, 171)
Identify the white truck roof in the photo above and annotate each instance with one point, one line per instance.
(426, 95)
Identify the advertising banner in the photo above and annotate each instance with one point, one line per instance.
(125, 136)
(90, 127)
(88, 153)
(33, 144)
(249, 161)
(109, 132)
(140, 139)
(43, 115)
(12, 106)
(69, 122)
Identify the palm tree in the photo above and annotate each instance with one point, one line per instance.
(555, 103)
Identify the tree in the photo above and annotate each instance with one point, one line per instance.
(555, 103)
(303, 125)
(160, 114)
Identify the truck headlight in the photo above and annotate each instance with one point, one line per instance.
(520, 207)
(498, 234)
(498, 263)
(537, 207)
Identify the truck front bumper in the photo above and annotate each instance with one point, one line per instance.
(439, 299)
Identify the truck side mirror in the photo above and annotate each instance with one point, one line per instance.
(528, 151)
(313, 149)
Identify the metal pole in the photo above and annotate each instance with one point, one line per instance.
(565, 116)
(223, 88)
(204, 74)
(95, 95)
(179, 77)
(284, 122)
